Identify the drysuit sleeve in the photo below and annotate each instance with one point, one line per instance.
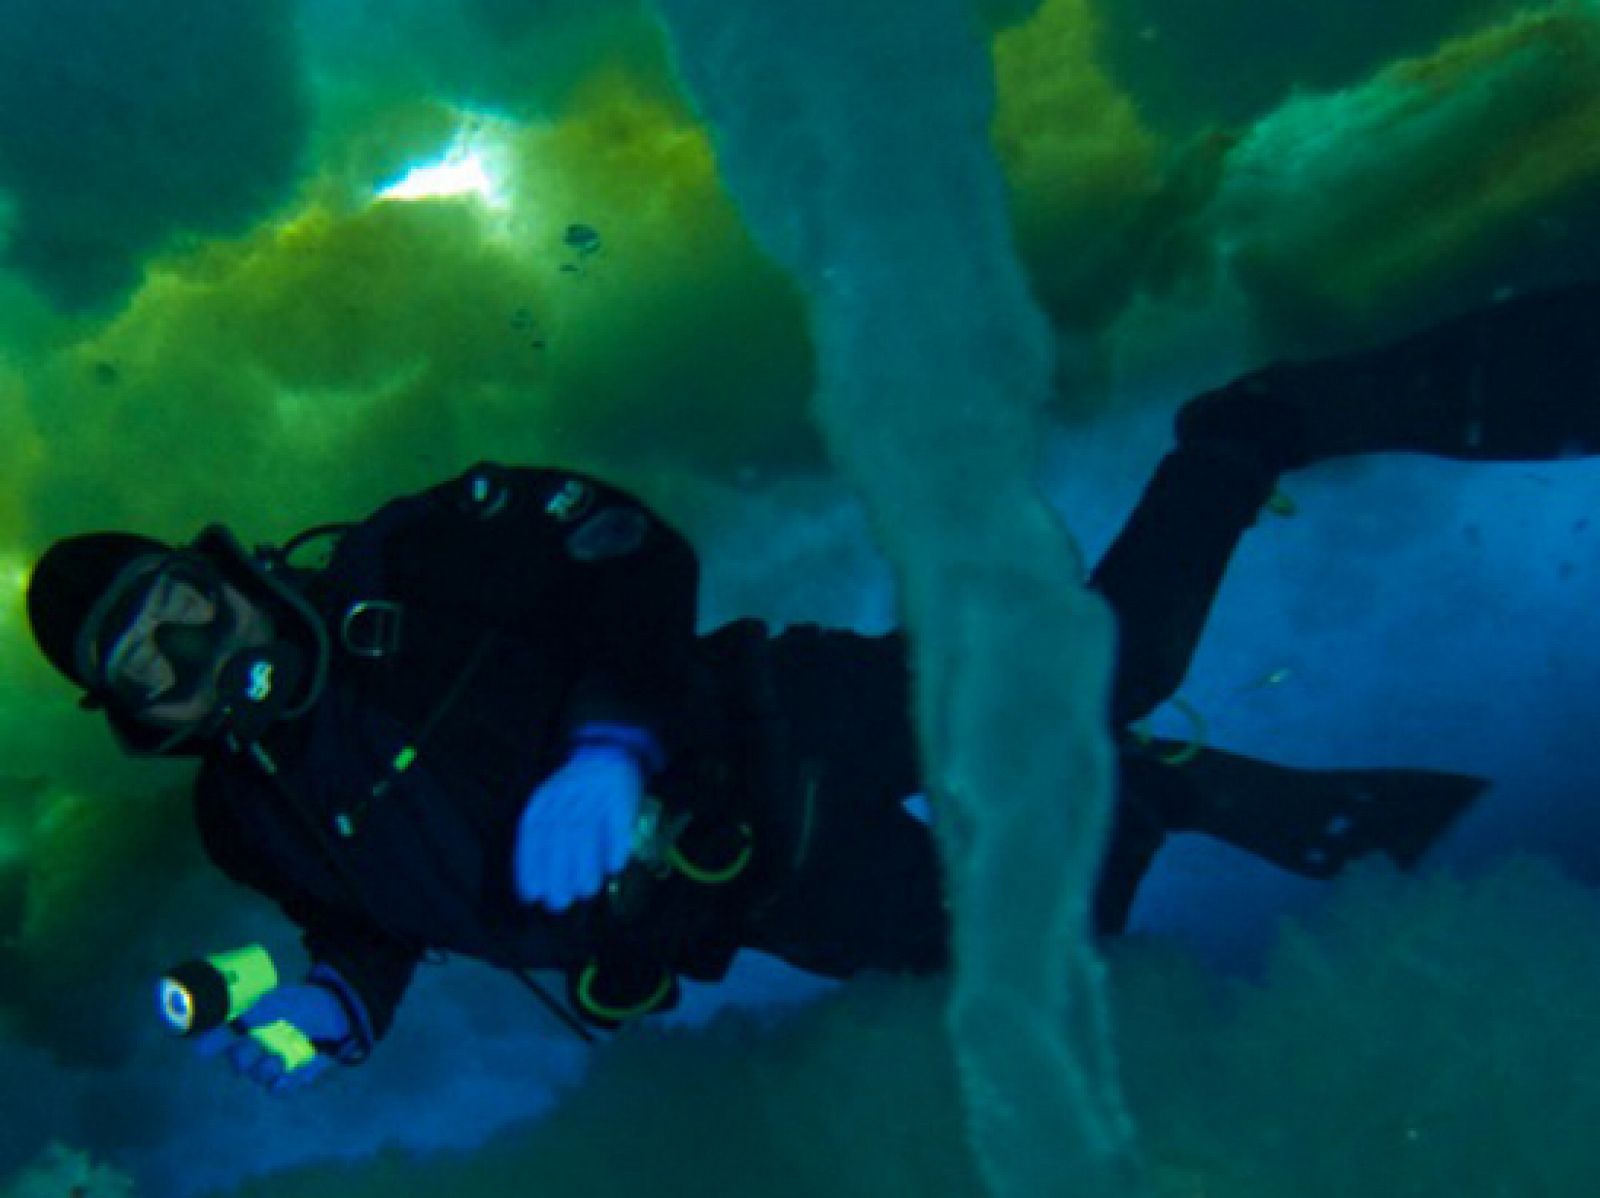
(377, 967)
(565, 558)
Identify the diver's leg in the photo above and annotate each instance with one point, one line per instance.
(866, 893)
(1136, 837)
(846, 699)
(1311, 822)
(1162, 571)
(1513, 381)
(1160, 577)
(860, 885)
(855, 883)
(1516, 380)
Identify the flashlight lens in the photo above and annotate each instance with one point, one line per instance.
(177, 1006)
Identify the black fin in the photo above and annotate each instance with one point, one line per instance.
(1310, 822)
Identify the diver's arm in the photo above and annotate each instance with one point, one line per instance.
(373, 964)
(369, 964)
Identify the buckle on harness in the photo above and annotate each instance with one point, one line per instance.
(371, 628)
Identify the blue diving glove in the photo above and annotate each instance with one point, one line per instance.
(294, 1034)
(577, 829)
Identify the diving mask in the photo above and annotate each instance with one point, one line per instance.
(162, 633)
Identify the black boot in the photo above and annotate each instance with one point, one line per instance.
(1515, 381)
(1310, 822)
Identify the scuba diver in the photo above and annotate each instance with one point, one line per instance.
(487, 725)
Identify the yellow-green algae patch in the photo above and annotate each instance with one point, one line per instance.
(1351, 214)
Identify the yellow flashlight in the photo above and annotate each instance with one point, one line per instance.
(209, 992)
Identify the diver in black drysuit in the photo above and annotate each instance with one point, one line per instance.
(1516, 381)
(463, 642)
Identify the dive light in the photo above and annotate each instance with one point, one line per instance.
(202, 995)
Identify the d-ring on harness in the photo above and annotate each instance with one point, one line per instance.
(371, 628)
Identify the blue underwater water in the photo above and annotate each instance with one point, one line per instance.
(1405, 611)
